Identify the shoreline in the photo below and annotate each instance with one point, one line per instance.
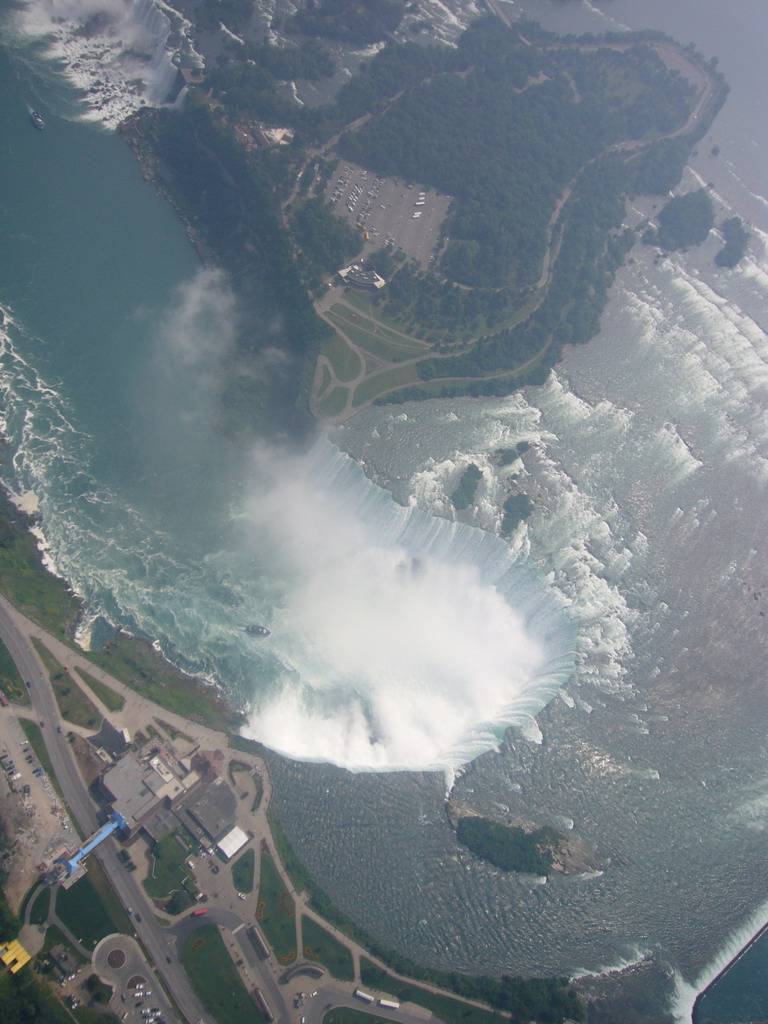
(130, 658)
(756, 937)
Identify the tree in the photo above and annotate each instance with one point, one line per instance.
(686, 220)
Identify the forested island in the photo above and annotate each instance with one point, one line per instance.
(685, 220)
(510, 847)
(736, 238)
(535, 140)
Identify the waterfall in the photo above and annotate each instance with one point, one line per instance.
(408, 641)
(155, 29)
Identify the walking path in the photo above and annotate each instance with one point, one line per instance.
(326, 379)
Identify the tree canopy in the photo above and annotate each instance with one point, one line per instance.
(736, 238)
(686, 220)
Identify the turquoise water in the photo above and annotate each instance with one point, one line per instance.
(110, 375)
(648, 464)
(91, 263)
(740, 995)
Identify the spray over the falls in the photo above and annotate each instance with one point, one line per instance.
(408, 641)
(118, 54)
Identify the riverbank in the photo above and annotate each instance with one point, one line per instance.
(47, 598)
(486, 996)
(704, 1012)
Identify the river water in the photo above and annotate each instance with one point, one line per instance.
(636, 591)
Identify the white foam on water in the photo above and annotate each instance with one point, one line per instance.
(686, 991)
(636, 955)
(409, 641)
(117, 54)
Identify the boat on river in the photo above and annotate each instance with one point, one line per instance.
(258, 631)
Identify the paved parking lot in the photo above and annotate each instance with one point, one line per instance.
(403, 214)
(137, 998)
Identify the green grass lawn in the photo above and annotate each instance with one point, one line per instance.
(11, 683)
(169, 867)
(320, 945)
(74, 705)
(110, 902)
(55, 937)
(334, 402)
(374, 337)
(142, 669)
(173, 732)
(26, 583)
(111, 700)
(41, 906)
(276, 913)
(325, 379)
(345, 361)
(81, 910)
(215, 979)
(400, 376)
(242, 872)
(259, 787)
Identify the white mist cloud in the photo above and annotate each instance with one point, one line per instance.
(395, 658)
(199, 328)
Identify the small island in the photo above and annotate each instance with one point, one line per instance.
(465, 492)
(510, 847)
(514, 843)
(684, 221)
(736, 238)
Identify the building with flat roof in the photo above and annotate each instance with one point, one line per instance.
(233, 841)
(63, 961)
(136, 790)
(14, 956)
(214, 807)
(360, 278)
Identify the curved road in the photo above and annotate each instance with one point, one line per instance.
(162, 945)
(15, 631)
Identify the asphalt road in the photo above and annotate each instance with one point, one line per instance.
(162, 945)
(158, 942)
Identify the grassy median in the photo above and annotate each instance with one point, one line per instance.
(276, 913)
(215, 979)
(326, 949)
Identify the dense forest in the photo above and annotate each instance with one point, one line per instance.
(353, 21)
(685, 220)
(538, 141)
(201, 165)
(505, 130)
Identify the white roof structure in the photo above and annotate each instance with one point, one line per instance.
(233, 841)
